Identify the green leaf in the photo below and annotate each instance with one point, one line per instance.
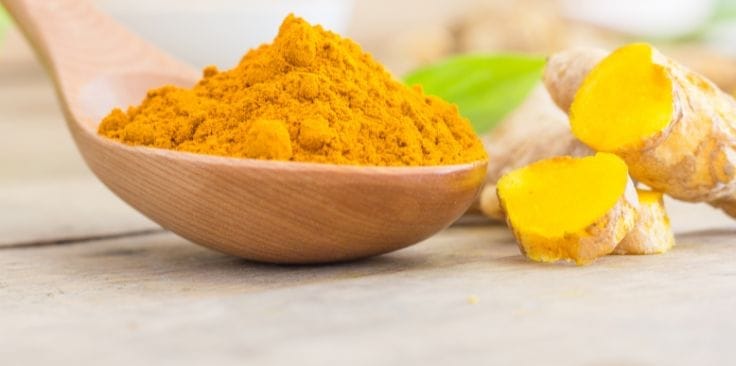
(725, 11)
(4, 23)
(484, 87)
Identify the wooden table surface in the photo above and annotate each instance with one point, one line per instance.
(84, 279)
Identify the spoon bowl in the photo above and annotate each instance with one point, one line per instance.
(270, 211)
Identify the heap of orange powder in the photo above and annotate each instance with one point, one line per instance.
(310, 96)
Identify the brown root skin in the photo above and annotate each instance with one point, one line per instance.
(565, 72)
(652, 233)
(534, 131)
(719, 68)
(694, 157)
(489, 203)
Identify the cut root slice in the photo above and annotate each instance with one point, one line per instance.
(652, 233)
(567, 208)
(624, 101)
(536, 130)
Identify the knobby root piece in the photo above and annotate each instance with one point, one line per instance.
(536, 130)
(652, 233)
(565, 72)
(675, 129)
(489, 203)
(567, 208)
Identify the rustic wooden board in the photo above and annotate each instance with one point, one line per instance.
(161, 299)
(38, 212)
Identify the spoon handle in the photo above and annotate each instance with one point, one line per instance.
(76, 43)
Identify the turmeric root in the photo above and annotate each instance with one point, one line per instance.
(675, 129)
(536, 130)
(566, 70)
(567, 208)
(652, 233)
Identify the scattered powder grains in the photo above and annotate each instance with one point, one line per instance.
(309, 96)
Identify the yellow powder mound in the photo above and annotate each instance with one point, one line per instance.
(310, 96)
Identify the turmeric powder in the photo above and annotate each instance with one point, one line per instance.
(309, 96)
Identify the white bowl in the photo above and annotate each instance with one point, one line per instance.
(219, 32)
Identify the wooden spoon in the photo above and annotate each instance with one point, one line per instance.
(281, 212)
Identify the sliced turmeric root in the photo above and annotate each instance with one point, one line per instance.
(652, 233)
(624, 102)
(536, 130)
(567, 208)
(675, 129)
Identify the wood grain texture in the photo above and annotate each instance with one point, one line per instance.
(45, 212)
(161, 300)
(267, 211)
(285, 212)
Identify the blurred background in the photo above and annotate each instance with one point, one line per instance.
(406, 33)
(402, 34)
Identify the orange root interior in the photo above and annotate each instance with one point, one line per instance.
(562, 195)
(626, 99)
